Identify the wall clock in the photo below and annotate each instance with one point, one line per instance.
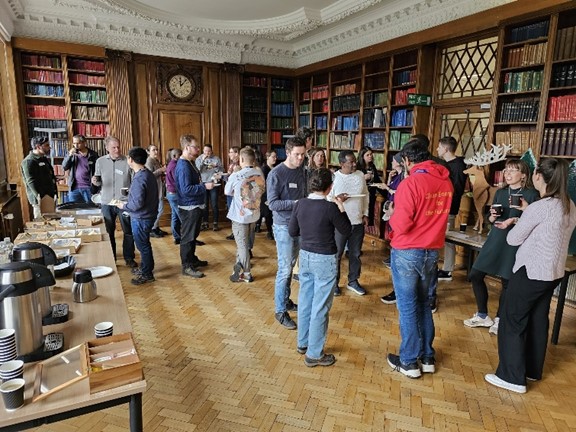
(181, 86)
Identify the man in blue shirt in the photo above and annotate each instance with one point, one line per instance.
(143, 208)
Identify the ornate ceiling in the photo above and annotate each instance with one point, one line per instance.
(281, 33)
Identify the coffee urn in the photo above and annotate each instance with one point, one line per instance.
(39, 253)
(19, 283)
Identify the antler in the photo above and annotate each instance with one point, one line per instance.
(496, 154)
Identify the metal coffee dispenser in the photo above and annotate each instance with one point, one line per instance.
(39, 253)
(19, 283)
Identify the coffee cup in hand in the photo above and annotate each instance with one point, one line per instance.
(124, 191)
(516, 200)
(497, 208)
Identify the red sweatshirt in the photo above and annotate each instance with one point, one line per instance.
(421, 208)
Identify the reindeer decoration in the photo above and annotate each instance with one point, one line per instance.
(482, 192)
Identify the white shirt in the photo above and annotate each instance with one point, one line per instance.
(351, 184)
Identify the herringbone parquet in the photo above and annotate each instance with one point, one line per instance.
(216, 360)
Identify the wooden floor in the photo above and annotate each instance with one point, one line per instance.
(216, 360)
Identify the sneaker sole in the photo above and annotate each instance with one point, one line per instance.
(355, 291)
(388, 301)
(428, 368)
(410, 374)
(445, 279)
(320, 363)
(498, 382)
(475, 325)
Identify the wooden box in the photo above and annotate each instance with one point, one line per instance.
(112, 361)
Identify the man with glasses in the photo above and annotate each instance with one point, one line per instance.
(39, 177)
(191, 203)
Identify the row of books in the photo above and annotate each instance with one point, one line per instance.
(559, 141)
(44, 90)
(564, 75)
(565, 44)
(401, 96)
(402, 117)
(321, 105)
(254, 121)
(79, 78)
(398, 139)
(41, 61)
(519, 140)
(404, 77)
(527, 55)
(250, 137)
(321, 122)
(322, 139)
(530, 31)
(96, 144)
(46, 111)
(276, 137)
(343, 141)
(45, 124)
(346, 122)
(282, 109)
(320, 92)
(333, 159)
(376, 99)
(304, 108)
(343, 103)
(345, 89)
(254, 104)
(378, 159)
(83, 112)
(282, 123)
(522, 111)
(86, 65)
(92, 129)
(254, 81)
(375, 140)
(562, 108)
(282, 96)
(522, 81)
(90, 96)
(280, 83)
(374, 117)
(304, 120)
(45, 76)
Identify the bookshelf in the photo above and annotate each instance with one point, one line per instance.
(64, 96)
(281, 112)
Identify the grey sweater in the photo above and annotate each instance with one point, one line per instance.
(285, 186)
(114, 175)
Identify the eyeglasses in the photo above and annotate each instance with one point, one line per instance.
(510, 170)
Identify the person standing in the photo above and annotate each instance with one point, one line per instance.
(155, 167)
(351, 184)
(191, 197)
(246, 188)
(542, 235)
(233, 166)
(418, 222)
(286, 184)
(113, 174)
(39, 178)
(81, 163)
(365, 164)
(210, 167)
(271, 158)
(318, 261)
(172, 195)
(143, 208)
(447, 151)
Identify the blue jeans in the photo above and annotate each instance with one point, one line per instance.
(175, 223)
(412, 271)
(110, 213)
(141, 231)
(317, 280)
(79, 195)
(287, 248)
(212, 199)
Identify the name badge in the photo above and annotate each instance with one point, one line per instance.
(119, 172)
(292, 185)
(41, 164)
(90, 163)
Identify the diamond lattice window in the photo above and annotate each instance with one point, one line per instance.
(467, 69)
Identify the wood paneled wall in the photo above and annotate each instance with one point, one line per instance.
(119, 103)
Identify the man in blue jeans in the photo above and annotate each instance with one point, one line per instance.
(81, 163)
(286, 184)
(143, 208)
(421, 208)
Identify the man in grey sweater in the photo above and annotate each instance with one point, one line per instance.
(113, 174)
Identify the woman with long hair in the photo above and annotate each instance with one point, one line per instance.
(541, 235)
(316, 158)
(497, 256)
(365, 163)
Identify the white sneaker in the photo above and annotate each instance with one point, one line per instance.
(494, 329)
(499, 382)
(476, 321)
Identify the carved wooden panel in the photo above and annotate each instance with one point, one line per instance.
(173, 124)
(165, 71)
(119, 98)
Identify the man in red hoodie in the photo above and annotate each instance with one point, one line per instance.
(421, 208)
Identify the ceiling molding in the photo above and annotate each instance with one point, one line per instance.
(285, 42)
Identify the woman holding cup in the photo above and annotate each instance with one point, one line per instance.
(497, 256)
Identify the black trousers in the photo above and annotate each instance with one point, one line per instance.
(523, 328)
(110, 213)
(481, 291)
(191, 222)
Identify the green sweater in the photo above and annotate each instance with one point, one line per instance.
(38, 176)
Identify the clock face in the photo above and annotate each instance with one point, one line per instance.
(181, 86)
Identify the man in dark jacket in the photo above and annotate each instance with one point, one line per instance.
(38, 176)
(143, 208)
(80, 162)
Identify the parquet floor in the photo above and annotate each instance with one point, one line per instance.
(216, 360)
